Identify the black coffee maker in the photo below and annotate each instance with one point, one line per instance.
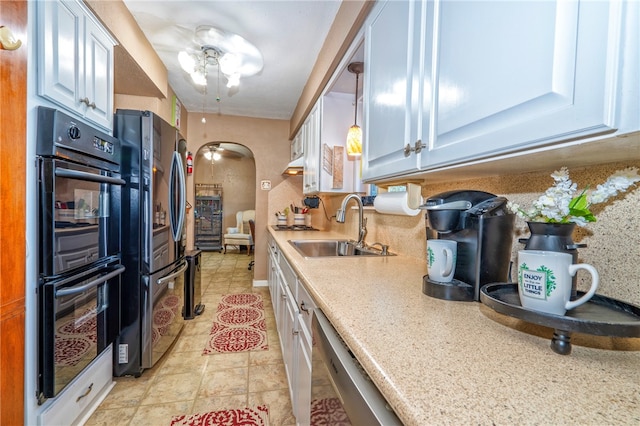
(482, 226)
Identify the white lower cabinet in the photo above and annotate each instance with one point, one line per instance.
(293, 309)
(289, 336)
(303, 378)
(306, 308)
(75, 404)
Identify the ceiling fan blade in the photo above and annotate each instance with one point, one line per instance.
(230, 154)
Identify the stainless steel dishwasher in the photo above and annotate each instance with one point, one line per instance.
(342, 391)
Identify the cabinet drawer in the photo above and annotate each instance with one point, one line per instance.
(76, 403)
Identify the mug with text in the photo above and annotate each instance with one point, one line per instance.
(441, 260)
(545, 279)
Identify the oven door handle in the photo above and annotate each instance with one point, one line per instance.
(76, 174)
(173, 274)
(79, 289)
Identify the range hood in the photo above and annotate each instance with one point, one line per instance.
(296, 167)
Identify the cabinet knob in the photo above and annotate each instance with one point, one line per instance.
(417, 148)
(88, 103)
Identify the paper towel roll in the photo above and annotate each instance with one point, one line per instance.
(394, 203)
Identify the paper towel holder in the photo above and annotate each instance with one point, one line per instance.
(414, 192)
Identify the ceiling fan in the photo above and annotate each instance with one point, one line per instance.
(215, 152)
(232, 55)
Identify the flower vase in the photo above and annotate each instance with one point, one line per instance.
(554, 237)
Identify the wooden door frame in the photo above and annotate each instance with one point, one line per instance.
(13, 119)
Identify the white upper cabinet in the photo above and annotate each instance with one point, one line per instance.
(297, 148)
(310, 133)
(392, 39)
(327, 166)
(466, 81)
(520, 74)
(75, 61)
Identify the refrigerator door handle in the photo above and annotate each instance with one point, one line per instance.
(177, 222)
(172, 275)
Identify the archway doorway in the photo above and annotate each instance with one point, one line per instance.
(229, 170)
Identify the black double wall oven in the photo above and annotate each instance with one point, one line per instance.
(79, 261)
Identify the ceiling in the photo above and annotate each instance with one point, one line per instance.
(288, 33)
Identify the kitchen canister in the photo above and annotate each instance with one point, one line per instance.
(298, 219)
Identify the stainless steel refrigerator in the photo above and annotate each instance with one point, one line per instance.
(153, 239)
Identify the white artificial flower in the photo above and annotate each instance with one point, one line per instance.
(553, 205)
(513, 207)
(618, 182)
(562, 174)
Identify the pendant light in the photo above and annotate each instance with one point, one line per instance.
(354, 137)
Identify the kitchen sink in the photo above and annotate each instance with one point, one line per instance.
(334, 248)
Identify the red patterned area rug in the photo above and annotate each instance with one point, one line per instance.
(328, 412)
(257, 416)
(239, 325)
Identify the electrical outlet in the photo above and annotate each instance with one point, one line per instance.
(123, 353)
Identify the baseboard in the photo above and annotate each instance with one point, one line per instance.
(260, 283)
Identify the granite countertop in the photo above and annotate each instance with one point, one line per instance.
(444, 362)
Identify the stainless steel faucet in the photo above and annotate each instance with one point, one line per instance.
(362, 221)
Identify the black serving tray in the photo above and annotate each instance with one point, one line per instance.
(600, 316)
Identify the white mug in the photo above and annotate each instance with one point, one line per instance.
(441, 260)
(545, 279)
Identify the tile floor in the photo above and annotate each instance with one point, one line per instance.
(185, 382)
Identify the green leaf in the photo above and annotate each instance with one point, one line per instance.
(580, 202)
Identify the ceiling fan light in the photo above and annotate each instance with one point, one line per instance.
(354, 141)
(208, 155)
(230, 63)
(216, 156)
(187, 61)
(199, 78)
(233, 80)
(233, 56)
